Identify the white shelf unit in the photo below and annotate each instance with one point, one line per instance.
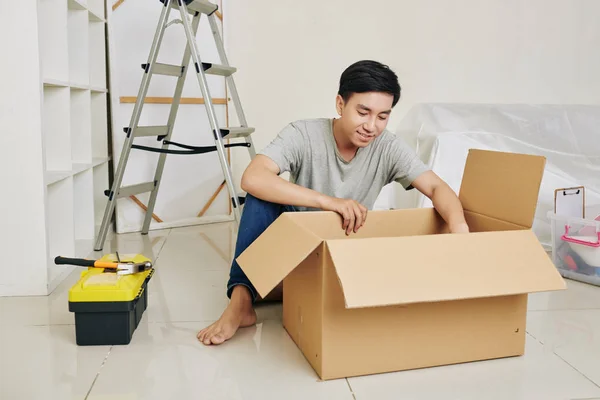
(67, 54)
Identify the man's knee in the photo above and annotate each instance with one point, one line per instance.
(258, 213)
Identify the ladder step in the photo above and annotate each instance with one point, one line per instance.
(241, 198)
(237, 132)
(201, 6)
(143, 131)
(127, 191)
(216, 69)
(165, 69)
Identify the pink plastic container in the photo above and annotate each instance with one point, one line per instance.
(576, 247)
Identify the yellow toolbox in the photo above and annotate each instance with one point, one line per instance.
(108, 306)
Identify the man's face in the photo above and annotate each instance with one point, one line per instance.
(364, 116)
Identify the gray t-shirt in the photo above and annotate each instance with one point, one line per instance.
(307, 150)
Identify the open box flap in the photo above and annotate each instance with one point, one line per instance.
(502, 185)
(414, 269)
(275, 253)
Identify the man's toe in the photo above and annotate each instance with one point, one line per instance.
(204, 334)
(207, 338)
(218, 338)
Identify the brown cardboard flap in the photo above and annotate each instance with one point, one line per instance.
(415, 269)
(280, 249)
(502, 185)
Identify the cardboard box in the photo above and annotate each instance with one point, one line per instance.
(403, 293)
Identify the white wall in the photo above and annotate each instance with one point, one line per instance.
(290, 54)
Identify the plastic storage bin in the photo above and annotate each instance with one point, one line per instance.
(576, 248)
(108, 308)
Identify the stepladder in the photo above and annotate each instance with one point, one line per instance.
(190, 14)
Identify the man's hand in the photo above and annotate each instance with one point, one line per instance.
(459, 228)
(353, 213)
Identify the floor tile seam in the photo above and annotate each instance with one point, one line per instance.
(581, 373)
(98, 373)
(351, 390)
(164, 242)
(587, 398)
(565, 309)
(566, 362)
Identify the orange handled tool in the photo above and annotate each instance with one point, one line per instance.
(119, 267)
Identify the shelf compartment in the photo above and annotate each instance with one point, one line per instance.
(56, 128)
(55, 82)
(98, 89)
(81, 131)
(97, 8)
(78, 48)
(80, 167)
(99, 125)
(60, 227)
(78, 86)
(79, 5)
(96, 17)
(53, 39)
(83, 212)
(97, 52)
(52, 177)
(100, 199)
(96, 161)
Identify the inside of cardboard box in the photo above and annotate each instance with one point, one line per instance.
(483, 223)
(395, 223)
(389, 223)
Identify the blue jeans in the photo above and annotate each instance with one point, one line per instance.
(257, 215)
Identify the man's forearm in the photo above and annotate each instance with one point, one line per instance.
(275, 189)
(450, 208)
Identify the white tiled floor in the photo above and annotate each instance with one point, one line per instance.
(40, 360)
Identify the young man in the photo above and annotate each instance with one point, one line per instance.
(337, 165)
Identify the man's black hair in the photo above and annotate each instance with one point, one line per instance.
(369, 76)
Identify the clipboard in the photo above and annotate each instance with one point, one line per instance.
(570, 202)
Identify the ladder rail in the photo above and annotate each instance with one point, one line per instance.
(230, 81)
(210, 110)
(171, 122)
(118, 177)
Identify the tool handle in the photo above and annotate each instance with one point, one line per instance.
(106, 264)
(82, 262)
(74, 261)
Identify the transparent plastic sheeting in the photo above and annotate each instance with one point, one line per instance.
(567, 135)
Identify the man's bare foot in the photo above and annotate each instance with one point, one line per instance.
(238, 314)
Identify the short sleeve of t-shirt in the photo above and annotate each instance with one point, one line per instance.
(286, 149)
(403, 163)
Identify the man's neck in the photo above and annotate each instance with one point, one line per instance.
(345, 147)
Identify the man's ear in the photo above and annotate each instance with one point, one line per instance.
(339, 104)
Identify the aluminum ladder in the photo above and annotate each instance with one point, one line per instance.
(194, 9)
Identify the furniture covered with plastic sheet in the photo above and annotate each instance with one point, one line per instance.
(567, 135)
